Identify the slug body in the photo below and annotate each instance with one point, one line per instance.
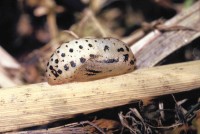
(89, 59)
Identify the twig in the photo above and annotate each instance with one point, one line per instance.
(90, 13)
(6, 60)
(5, 81)
(71, 33)
(154, 47)
(92, 124)
(165, 127)
(179, 112)
(51, 17)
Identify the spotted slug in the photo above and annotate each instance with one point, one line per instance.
(88, 59)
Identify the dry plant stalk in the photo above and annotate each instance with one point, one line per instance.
(6, 60)
(5, 80)
(154, 47)
(39, 104)
(49, 8)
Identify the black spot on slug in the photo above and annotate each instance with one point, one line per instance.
(92, 71)
(127, 48)
(48, 64)
(92, 56)
(63, 54)
(81, 47)
(73, 64)
(62, 60)
(66, 67)
(76, 42)
(51, 67)
(56, 61)
(56, 66)
(120, 50)
(66, 45)
(58, 51)
(95, 40)
(132, 62)
(90, 45)
(82, 60)
(86, 40)
(106, 48)
(51, 59)
(109, 61)
(126, 57)
(51, 55)
(60, 71)
(53, 71)
(89, 74)
(71, 50)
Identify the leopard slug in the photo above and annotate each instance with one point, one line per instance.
(88, 59)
